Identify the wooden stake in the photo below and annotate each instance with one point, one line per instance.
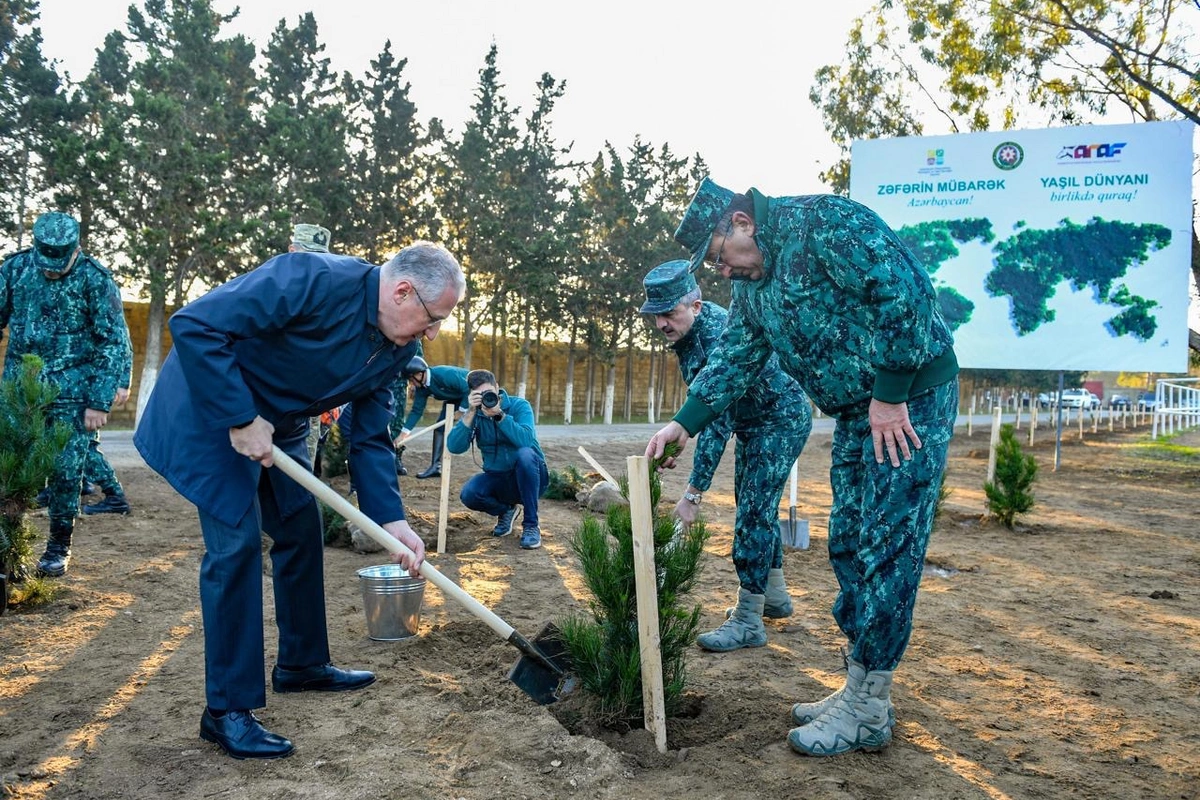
(1033, 411)
(653, 699)
(996, 415)
(596, 466)
(444, 504)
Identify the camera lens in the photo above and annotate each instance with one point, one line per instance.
(489, 399)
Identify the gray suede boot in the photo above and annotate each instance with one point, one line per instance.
(777, 603)
(858, 719)
(744, 628)
(804, 713)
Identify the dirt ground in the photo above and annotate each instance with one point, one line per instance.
(1061, 659)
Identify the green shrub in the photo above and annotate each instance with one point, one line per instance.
(566, 484)
(28, 449)
(1010, 493)
(603, 644)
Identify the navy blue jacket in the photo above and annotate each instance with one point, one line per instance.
(287, 341)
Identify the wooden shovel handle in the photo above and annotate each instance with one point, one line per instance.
(329, 497)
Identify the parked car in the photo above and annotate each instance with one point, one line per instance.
(1045, 400)
(1118, 401)
(1079, 398)
(1148, 401)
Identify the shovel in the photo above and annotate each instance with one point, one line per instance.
(540, 673)
(794, 532)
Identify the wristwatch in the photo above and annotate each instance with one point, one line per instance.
(693, 497)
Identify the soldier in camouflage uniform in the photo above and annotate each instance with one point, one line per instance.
(827, 286)
(61, 305)
(309, 238)
(771, 421)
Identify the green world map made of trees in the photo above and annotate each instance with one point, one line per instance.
(1029, 266)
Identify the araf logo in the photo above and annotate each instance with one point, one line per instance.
(1078, 151)
(935, 157)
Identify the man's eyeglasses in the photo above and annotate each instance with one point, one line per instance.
(721, 251)
(432, 319)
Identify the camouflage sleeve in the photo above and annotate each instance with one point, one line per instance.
(399, 390)
(866, 259)
(729, 372)
(110, 340)
(5, 293)
(127, 365)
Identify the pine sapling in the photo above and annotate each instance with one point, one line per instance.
(1010, 493)
(603, 643)
(28, 449)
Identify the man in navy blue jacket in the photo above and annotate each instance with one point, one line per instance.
(253, 360)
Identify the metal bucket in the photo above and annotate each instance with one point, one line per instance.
(392, 602)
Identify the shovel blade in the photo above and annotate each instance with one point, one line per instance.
(794, 532)
(543, 672)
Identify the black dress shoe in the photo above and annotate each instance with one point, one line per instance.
(241, 735)
(321, 678)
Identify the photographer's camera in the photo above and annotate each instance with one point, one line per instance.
(489, 399)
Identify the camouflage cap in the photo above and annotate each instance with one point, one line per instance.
(55, 236)
(666, 285)
(695, 230)
(312, 238)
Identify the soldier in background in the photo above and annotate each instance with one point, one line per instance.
(311, 239)
(61, 305)
(771, 421)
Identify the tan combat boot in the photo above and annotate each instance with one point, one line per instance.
(744, 628)
(858, 718)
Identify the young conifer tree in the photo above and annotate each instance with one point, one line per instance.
(1009, 494)
(603, 644)
(28, 449)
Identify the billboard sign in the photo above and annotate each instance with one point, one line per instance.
(1061, 249)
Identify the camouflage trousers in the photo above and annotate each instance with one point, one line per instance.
(880, 523)
(97, 469)
(763, 459)
(69, 466)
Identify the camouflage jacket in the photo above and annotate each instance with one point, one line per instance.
(75, 324)
(774, 401)
(848, 309)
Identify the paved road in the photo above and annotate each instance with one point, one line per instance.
(118, 444)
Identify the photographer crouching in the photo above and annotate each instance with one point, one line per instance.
(514, 467)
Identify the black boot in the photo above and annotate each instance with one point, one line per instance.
(113, 503)
(401, 470)
(53, 562)
(434, 470)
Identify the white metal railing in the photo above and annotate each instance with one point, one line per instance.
(1177, 406)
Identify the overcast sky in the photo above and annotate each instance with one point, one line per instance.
(729, 81)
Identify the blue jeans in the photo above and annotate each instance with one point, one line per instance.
(495, 492)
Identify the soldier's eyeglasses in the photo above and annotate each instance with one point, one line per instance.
(721, 251)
